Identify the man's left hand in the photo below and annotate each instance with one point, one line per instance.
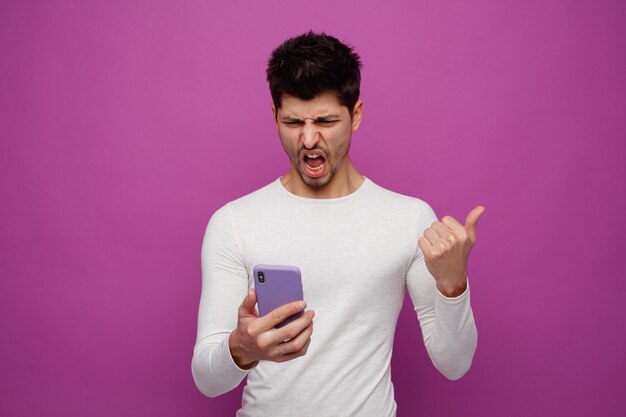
(446, 245)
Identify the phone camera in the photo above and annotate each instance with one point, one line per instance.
(261, 277)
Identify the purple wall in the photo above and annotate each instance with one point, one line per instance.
(124, 125)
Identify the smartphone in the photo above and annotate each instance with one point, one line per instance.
(275, 286)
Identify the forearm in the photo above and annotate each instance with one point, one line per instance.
(213, 368)
(453, 340)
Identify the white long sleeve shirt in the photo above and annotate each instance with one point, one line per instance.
(357, 255)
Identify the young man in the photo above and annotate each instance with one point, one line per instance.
(358, 246)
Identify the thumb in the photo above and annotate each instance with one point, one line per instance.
(472, 220)
(249, 301)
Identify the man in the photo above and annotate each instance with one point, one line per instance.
(358, 246)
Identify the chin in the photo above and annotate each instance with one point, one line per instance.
(316, 182)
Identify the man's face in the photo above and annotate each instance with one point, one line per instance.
(316, 135)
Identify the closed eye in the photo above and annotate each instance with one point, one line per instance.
(320, 122)
(327, 122)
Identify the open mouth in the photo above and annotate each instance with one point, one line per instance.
(314, 163)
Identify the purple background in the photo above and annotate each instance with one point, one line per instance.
(125, 125)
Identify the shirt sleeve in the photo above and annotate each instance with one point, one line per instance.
(447, 323)
(224, 286)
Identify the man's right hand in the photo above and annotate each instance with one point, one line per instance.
(255, 338)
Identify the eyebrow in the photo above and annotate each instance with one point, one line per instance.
(319, 118)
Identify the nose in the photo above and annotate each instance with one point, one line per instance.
(310, 134)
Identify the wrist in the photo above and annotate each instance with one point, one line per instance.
(452, 290)
(237, 353)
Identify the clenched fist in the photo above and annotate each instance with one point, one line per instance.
(446, 245)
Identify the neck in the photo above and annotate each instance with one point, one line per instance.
(344, 182)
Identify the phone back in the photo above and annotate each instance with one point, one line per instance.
(277, 285)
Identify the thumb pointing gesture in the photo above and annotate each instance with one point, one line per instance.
(472, 220)
(446, 245)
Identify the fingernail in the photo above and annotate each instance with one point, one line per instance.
(301, 304)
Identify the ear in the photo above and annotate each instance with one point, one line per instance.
(357, 115)
(274, 115)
